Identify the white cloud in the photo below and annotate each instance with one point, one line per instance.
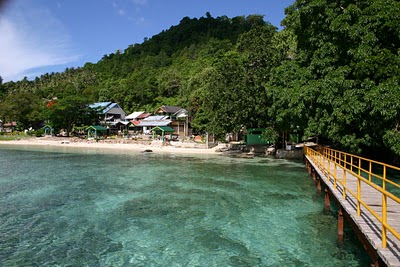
(121, 12)
(32, 38)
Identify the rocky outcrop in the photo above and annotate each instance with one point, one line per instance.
(289, 154)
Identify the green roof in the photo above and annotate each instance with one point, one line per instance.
(163, 129)
(97, 128)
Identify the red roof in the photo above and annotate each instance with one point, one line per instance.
(135, 122)
(143, 115)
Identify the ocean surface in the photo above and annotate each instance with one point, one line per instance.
(92, 207)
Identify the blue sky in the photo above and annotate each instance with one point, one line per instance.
(40, 36)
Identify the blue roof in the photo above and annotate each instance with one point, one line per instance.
(100, 105)
(112, 105)
(104, 106)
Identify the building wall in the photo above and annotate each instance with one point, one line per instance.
(120, 114)
(180, 128)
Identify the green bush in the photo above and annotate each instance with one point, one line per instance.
(39, 132)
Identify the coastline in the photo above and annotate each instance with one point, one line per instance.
(117, 146)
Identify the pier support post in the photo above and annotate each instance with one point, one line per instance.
(314, 176)
(327, 202)
(319, 189)
(340, 225)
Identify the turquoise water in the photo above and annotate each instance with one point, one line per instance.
(69, 207)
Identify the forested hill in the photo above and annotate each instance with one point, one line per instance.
(166, 69)
(146, 75)
(143, 76)
(333, 71)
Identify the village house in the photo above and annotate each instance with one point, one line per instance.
(7, 126)
(153, 121)
(136, 117)
(179, 119)
(111, 116)
(109, 112)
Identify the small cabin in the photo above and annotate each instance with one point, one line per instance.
(48, 130)
(162, 131)
(255, 136)
(96, 131)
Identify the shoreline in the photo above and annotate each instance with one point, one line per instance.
(73, 143)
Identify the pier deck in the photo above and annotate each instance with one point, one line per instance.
(347, 188)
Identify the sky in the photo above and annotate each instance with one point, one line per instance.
(44, 36)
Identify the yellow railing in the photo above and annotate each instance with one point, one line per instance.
(367, 172)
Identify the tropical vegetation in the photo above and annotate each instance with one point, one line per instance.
(332, 71)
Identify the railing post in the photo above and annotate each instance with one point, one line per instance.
(384, 220)
(351, 163)
(384, 209)
(384, 178)
(344, 161)
(359, 189)
(341, 161)
(344, 184)
(370, 172)
(358, 197)
(334, 176)
(329, 169)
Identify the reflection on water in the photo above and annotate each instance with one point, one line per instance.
(92, 208)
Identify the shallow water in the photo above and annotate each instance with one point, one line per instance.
(74, 207)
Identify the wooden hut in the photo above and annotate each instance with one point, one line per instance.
(95, 131)
(162, 130)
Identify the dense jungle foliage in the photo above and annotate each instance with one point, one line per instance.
(332, 71)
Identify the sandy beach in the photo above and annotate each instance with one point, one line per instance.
(156, 147)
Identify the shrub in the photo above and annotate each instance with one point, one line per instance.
(39, 132)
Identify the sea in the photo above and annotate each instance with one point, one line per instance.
(64, 206)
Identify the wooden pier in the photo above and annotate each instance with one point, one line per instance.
(372, 211)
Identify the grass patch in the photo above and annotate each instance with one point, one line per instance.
(11, 137)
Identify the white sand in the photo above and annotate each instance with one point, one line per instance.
(65, 142)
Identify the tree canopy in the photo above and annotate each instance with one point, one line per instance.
(347, 70)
